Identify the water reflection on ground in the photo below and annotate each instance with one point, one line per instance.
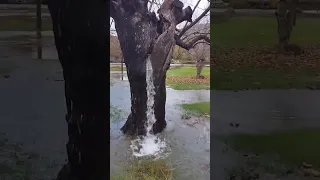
(265, 110)
(190, 146)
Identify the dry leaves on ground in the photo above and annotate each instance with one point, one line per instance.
(231, 59)
(188, 79)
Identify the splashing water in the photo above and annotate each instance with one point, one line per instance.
(149, 145)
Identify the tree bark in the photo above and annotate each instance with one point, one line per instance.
(199, 66)
(81, 33)
(143, 36)
(286, 18)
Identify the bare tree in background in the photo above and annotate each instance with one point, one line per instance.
(201, 53)
(286, 15)
(143, 35)
(201, 49)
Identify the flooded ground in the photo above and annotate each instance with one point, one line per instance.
(190, 146)
(264, 111)
(257, 112)
(34, 131)
(32, 109)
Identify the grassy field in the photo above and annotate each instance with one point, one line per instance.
(117, 68)
(290, 148)
(244, 55)
(184, 78)
(198, 108)
(23, 23)
(147, 170)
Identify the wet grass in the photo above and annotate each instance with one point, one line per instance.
(23, 23)
(246, 58)
(198, 108)
(147, 170)
(262, 31)
(115, 114)
(184, 78)
(291, 148)
(14, 164)
(188, 71)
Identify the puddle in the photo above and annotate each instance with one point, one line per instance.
(263, 111)
(17, 45)
(259, 111)
(28, 91)
(189, 146)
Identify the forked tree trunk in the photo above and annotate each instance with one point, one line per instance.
(81, 33)
(142, 35)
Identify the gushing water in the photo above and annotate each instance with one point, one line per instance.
(150, 94)
(149, 145)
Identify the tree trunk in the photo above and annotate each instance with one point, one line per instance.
(286, 18)
(199, 66)
(143, 36)
(81, 35)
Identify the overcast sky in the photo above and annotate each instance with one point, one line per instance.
(201, 7)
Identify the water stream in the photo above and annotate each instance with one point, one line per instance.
(149, 145)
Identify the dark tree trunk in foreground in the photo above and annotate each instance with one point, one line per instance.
(81, 33)
(142, 35)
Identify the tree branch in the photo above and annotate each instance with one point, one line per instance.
(195, 7)
(192, 43)
(194, 34)
(184, 30)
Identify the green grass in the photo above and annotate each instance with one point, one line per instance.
(188, 86)
(115, 114)
(238, 44)
(188, 71)
(23, 23)
(291, 148)
(198, 108)
(117, 68)
(147, 170)
(245, 78)
(184, 79)
(262, 31)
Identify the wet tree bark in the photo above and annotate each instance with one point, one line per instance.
(142, 35)
(81, 33)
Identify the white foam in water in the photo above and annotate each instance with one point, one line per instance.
(149, 145)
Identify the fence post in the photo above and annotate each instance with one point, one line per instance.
(39, 28)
